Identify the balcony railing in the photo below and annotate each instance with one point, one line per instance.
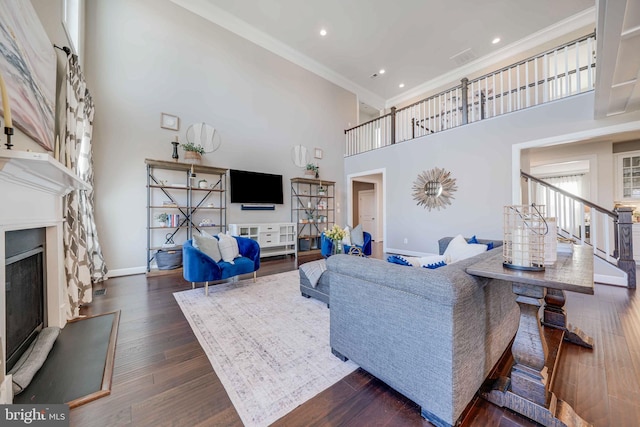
(557, 73)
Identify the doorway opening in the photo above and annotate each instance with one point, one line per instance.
(366, 203)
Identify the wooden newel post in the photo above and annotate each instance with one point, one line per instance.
(625, 235)
(465, 100)
(393, 125)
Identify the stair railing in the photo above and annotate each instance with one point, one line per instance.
(556, 73)
(608, 232)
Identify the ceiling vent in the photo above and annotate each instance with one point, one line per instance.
(464, 57)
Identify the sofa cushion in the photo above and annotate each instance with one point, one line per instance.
(357, 235)
(459, 249)
(240, 265)
(435, 265)
(208, 245)
(474, 239)
(228, 248)
(346, 240)
(400, 260)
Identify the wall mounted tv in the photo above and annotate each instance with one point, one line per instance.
(255, 187)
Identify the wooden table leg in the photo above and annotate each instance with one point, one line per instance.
(555, 317)
(526, 391)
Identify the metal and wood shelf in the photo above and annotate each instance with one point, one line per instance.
(186, 200)
(313, 209)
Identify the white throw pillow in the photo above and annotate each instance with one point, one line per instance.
(357, 235)
(228, 248)
(205, 234)
(459, 249)
(208, 245)
(346, 240)
(431, 259)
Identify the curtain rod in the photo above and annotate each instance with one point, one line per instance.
(65, 49)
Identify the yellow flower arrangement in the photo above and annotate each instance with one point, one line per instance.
(335, 233)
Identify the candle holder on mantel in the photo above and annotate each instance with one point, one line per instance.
(175, 156)
(524, 231)
(9, 132)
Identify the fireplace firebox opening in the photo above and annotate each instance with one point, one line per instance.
(25, 289)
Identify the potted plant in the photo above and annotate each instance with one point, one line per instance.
(311, 170)
(162, 219)
(192, 153)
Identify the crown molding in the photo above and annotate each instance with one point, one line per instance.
(559, 29)
(237, 26)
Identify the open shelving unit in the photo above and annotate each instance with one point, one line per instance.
(312, 209)
(172, 188)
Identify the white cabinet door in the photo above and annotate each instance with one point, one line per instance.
(628, 176)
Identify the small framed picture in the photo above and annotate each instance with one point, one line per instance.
(317, 153)
(168, 121)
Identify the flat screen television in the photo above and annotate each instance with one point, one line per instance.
(255, 187)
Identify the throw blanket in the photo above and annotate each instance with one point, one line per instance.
(313, 270)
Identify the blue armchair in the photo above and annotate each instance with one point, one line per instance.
(326, 245)
(199, 267)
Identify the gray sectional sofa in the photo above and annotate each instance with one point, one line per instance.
(432, 335)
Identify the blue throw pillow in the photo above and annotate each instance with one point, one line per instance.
(435, 265)
(397, 259)
(473, 239)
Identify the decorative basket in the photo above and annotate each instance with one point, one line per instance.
(169, 259)
(524, 233)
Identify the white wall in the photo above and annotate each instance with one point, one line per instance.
(479, 156)
(149, 56)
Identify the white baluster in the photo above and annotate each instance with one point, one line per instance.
(578, 86)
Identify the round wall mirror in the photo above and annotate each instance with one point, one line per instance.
(204, 135)
(434, 189)
(300, 156)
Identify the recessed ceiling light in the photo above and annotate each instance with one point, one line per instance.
(323, 32)
(496, 40)
(382, 71)
(401, 85)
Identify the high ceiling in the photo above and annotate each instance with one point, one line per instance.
(414, 41)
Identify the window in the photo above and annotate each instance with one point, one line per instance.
(71, 22)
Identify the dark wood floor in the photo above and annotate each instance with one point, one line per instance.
(162, 376)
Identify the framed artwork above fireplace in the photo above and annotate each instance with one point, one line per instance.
(28, 65)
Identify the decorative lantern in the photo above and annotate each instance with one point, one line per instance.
(524, 234)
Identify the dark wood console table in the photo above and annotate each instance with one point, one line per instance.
(527, 391)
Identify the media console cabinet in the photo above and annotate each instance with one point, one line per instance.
(274, 238)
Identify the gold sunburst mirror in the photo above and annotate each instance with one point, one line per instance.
(434, 188)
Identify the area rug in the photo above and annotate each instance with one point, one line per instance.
(268, 345)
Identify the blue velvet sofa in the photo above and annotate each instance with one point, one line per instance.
(199, 267)
(326, 245)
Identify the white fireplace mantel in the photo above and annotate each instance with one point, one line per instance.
(39, 171)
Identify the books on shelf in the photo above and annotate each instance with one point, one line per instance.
(174, 220)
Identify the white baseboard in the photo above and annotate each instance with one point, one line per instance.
(127, 271)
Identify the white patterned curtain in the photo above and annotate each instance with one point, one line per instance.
(84, 263)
